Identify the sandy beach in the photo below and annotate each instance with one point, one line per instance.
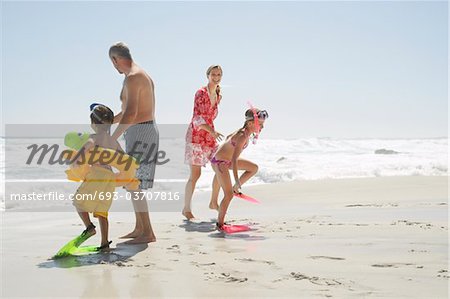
(348, 238)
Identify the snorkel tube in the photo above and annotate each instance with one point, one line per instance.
(256, 122)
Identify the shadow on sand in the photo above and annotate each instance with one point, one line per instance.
(201, 227)
(210, 227)
(239, 236)
(117, 256)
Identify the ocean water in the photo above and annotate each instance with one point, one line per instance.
(320, 158)
(278, 160)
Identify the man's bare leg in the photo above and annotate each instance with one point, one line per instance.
(147, 235)
(137, 228)
(213, 204)
(143, 232)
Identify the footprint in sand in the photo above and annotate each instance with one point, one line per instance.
(392, 265)
(316, 280)
(228, 278)
(257, 261)
(315, 257)
(443, 273)
(122, 264)
(414, 223)
(372, 205)
(174, 248)
(421, 251)
(146, 265)
(202, 265)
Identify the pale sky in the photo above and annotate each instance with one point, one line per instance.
(321, 69)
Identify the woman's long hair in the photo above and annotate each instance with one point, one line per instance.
(208, 71)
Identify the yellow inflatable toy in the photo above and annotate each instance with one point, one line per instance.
(125, 164)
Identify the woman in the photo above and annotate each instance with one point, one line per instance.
(201, 136)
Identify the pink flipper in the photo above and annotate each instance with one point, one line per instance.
(229, 228)
(246, 197)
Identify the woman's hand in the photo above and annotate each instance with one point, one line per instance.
(217, 136)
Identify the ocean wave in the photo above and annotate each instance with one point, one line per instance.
(299, 159)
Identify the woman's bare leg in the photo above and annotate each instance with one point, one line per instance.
(196, 171)
(213, 204)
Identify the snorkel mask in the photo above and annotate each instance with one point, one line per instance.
(92, 109)
(262, 114)
(101, 116)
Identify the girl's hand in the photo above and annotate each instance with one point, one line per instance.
(217, 136)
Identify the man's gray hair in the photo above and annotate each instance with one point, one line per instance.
(120, 49)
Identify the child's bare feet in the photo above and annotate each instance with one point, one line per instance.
(86, 234)
(104, 247)
(219, 227)
(187, 214)
(89, 231)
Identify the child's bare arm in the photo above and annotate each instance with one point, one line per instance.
(90, 143)
(240, 141)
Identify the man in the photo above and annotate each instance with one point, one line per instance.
(136, 122)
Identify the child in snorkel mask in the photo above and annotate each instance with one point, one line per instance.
(227, 157)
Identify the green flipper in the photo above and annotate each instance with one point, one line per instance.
(72, 246)
(84, 249)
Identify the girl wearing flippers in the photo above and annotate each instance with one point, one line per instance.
(227, 157)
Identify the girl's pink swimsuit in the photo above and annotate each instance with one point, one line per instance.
(225, 162)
